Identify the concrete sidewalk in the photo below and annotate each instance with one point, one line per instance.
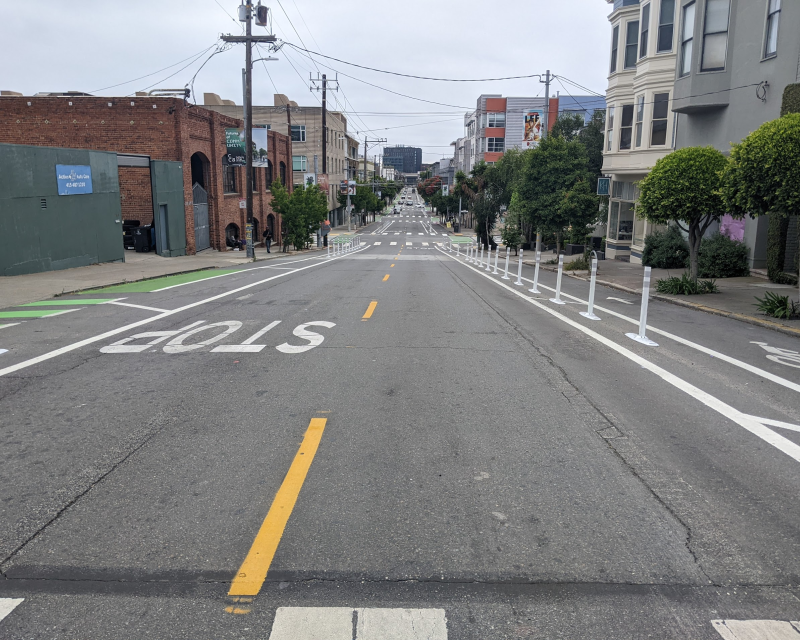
(17, 290)
(736, 297)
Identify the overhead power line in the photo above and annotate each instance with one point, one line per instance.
(191, 57)
(408, 75)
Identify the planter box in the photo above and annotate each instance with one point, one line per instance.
(573, 249)
(527, 246)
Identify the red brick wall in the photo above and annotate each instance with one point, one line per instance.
(136, 195)
(162, 128)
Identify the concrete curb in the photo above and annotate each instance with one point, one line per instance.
(761, 322)
(185, 271)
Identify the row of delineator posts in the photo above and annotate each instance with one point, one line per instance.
(472, 255)
(340, 248)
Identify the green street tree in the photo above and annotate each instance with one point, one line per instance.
(553, 191)
(512, 231)
(567, 126)
(763, 177)
(684, 188)
(301, 212)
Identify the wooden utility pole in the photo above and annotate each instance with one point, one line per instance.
(248, 39)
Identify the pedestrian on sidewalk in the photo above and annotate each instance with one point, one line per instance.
(268, 239)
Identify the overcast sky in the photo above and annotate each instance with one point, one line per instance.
(88, 45)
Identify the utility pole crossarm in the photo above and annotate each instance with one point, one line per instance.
(245, 39)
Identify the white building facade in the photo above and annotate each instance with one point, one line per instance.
(640, 124)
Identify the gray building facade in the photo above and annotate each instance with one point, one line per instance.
(735, 58)
(403, 159)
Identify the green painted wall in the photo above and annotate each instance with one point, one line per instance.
(167, 182)
(72, 231)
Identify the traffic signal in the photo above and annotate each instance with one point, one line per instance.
(261, 15)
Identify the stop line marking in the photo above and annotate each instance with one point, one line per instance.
(342, 623)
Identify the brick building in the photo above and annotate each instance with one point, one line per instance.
(144, 128)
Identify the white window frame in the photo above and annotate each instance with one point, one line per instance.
(634, 44)
(703, 68)
(610, 129)
(687, 29)
(638, 116)
(301, 128)
(776, 14)
(492, 142)
(644, 30)
(303, 160)
(662, 25)
(493, 117)
(614, 49)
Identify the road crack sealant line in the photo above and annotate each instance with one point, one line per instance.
(607, 422)
(114, 332)
(693, 345)
(756, 428)
(155, 426)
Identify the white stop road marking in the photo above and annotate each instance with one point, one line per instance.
(338, 623)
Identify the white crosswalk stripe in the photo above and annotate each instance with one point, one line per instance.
(7, 605)
(424, 244)
(757, 629)
(377, 244)
(408, 244)
(340, 623)
(391, 244)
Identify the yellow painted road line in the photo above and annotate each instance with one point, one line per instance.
(391, 267)
(386, 277)
(370, 310)
(251, 575)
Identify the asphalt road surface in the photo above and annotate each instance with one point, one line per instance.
(395, 443)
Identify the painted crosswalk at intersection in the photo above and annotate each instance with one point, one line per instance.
(7, 605)
(342, 623)
(757, 629)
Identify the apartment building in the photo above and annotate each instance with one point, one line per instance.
(404, 159)
(307, 135)
(735, 58)
(640, 124)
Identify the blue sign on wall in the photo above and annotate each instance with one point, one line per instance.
(603, 186)
(73, 179)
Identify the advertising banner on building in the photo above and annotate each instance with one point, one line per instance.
(445, 189)
(260, 147)
(309, 179)
(322, 182)
(235, 147)
(73, 179)
(533, 128)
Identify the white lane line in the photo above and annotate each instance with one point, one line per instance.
(693, 345)
(108, 334)
(10, 324)
(340, 623)
(7, 605)
(136, 306)
(620, 300)
(776, 423)
(757, 629)
(425, 244)
(778, 441)
(60, 313)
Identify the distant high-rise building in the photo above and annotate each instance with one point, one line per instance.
(404, 159)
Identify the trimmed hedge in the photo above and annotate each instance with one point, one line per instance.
(665, 250)
(721, 257)
(791, 99)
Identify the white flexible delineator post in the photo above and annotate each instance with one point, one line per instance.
(557, 299)
(488, 259)
(505, 277)
(480, 259)
(519, 270)
(535, 287)
(589, 313)
(496, 258)
(641, 337)
(458, 252)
